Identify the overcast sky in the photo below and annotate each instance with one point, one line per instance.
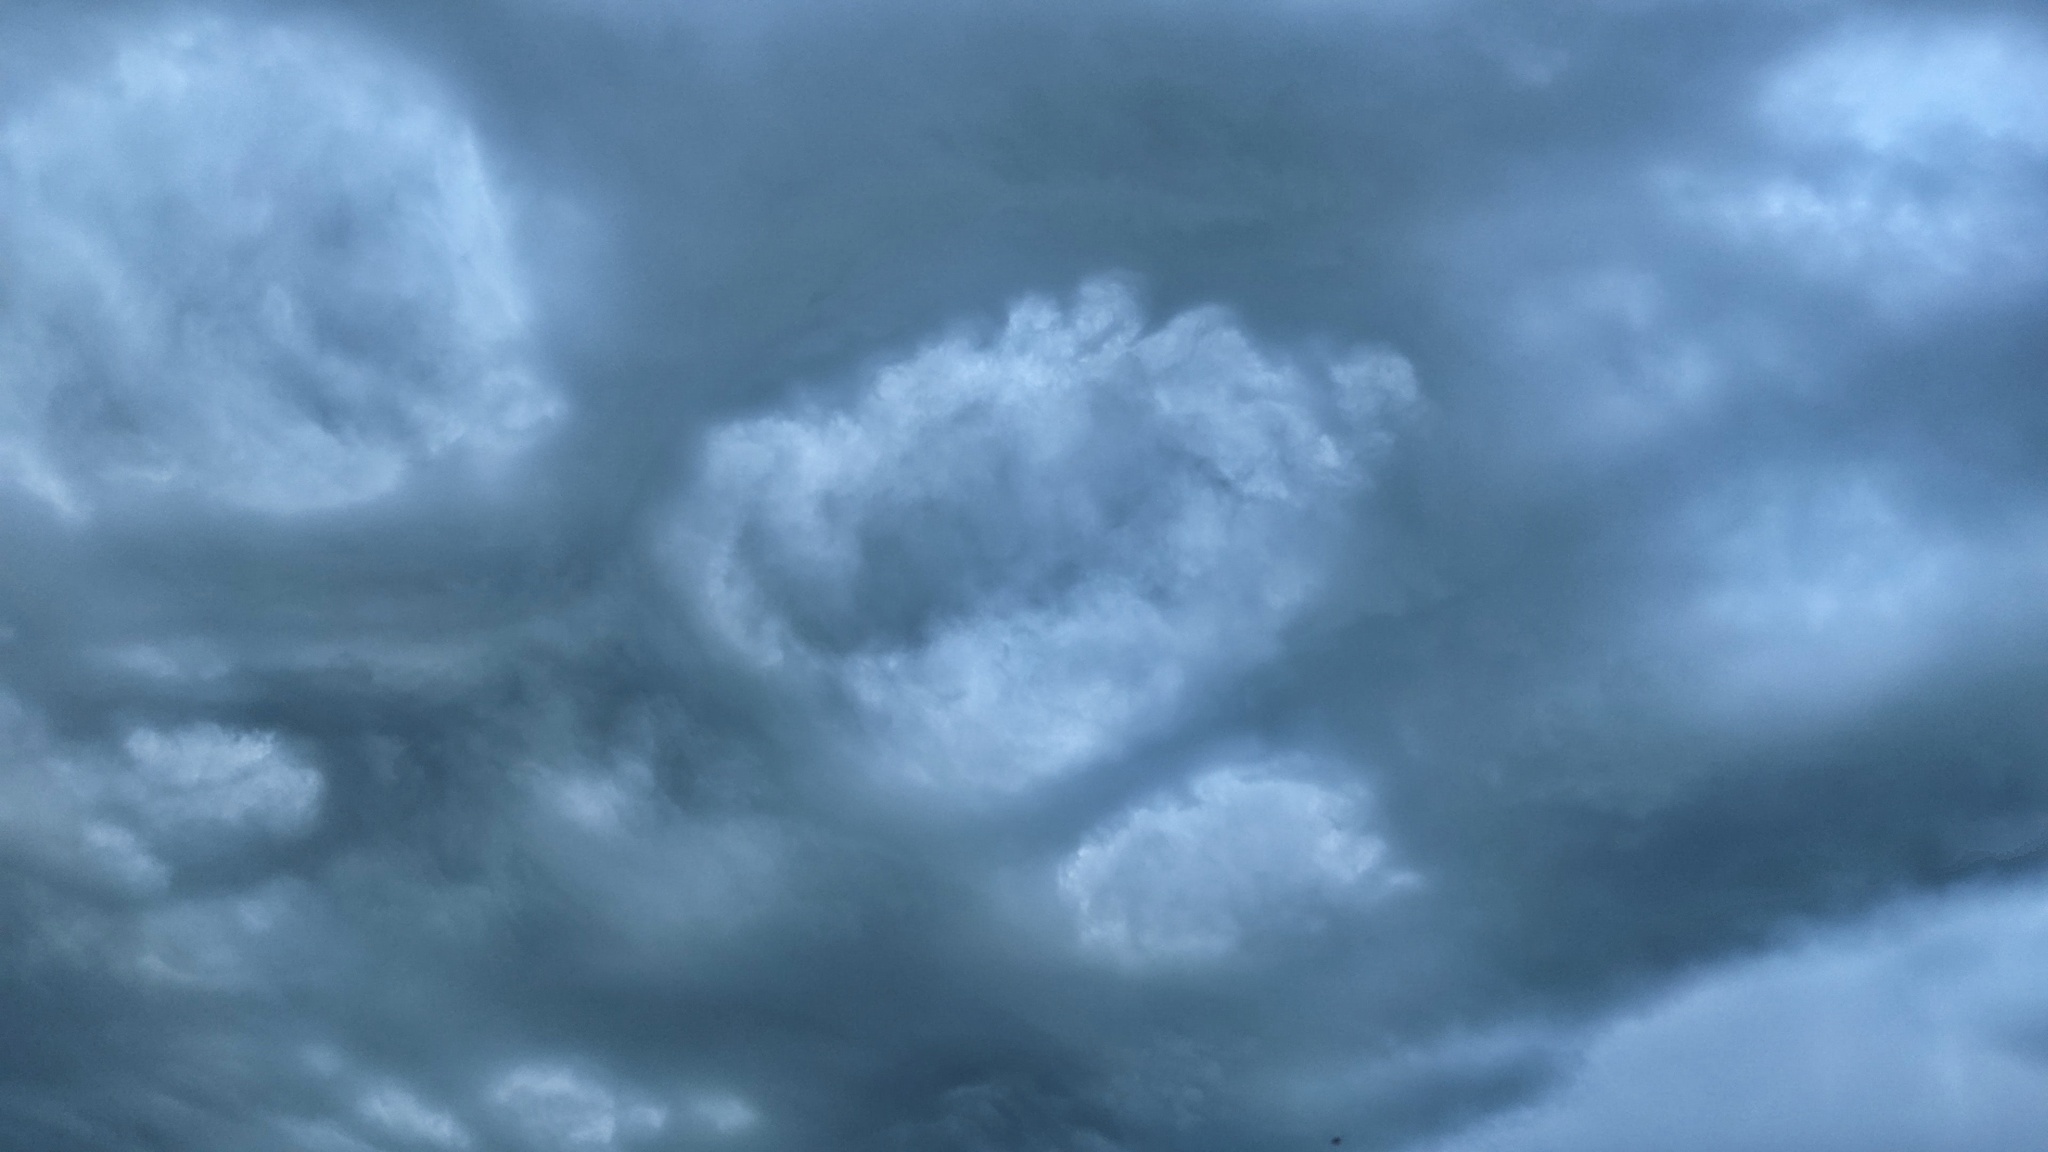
(1045, 576)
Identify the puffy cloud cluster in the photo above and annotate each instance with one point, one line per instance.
(257, 267)
(1016, 554)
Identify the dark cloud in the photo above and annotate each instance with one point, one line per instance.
(925, 576)
(1896, 1034)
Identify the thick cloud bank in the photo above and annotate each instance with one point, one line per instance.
(921, 577)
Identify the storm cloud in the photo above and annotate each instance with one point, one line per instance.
(903, 575)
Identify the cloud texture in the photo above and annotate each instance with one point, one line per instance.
(911, 576)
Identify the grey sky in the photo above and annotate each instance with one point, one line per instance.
(1120, 576)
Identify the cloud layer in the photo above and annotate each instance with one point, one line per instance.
(909, 576)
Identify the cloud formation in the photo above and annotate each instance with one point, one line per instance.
(1920, 1030)
(1249, 852)
(1015, 555)
(254, 266)
(890, 575)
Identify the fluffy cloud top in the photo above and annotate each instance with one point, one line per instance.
(261, 267)
(1016, 553)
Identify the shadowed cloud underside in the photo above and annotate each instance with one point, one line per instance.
(896, 575)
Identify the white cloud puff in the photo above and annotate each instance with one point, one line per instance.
(50, 817)
(1014, 554)
(1909, 163)
(261, 268)
(207, 781)
(1245, 849)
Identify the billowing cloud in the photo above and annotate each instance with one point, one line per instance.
(1016, 553)
(261, 267)
(1250, 852)
(901, 576)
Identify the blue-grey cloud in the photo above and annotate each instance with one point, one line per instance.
(257, 266)
(899, 575)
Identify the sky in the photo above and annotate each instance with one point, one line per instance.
(1041, 576)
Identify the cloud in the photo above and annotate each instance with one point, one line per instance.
(166, 798)
(1829, 593)
(208, 780)
(1917, 1030)
(1015, 554)
(658, 884)
(243, 942)
(1906, 90)
(905, 576)
(557, 1107)
(1249, 853)
(254, 266)
(407, 1118)
(1908, 161)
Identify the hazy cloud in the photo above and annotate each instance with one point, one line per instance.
(896, 575)
(1246, 853)
(1015, 554)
